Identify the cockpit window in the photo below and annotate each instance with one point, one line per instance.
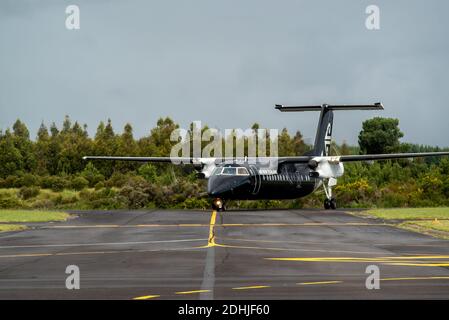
(229, 171)
(242, 172)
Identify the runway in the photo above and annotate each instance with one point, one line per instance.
(162, 254)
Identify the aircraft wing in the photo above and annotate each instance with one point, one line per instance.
(142, 159)
(293, 159)
(368, 157)
(363, 157)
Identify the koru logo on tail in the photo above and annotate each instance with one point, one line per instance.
(327, 140)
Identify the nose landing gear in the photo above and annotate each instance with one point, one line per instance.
(218, 204)
(329, 202)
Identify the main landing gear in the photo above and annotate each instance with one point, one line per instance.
(218, 204)
(330, 202)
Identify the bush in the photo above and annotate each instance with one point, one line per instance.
(149, 172)
(29, 192)
(27, 180)
(137, 192)
(42, 204)
(117, 180)
(10, 182)
(91, 174)
(9, 201)
(79, 183)
(195, 203)
(99, 185)
(54, 183)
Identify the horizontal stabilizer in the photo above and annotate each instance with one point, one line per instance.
(376, 106)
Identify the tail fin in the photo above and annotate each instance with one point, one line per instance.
(324, 131)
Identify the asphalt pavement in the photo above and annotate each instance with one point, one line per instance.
(267, 254)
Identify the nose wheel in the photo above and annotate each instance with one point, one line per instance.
(218, 204)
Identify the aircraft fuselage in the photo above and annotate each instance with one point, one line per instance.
(289, 183)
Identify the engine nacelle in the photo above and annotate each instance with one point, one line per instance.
(205, 169)
(326, 167)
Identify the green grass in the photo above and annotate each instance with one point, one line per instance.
(410, 213)
(11, 227)
(31, 216)
(437, 228)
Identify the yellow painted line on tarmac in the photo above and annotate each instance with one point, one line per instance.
(146, 297)
(417, 257)
(250, 287)
(318, 283)
(26, 255)
(400, 260)
(224, 225)
(408, 264)
(415, 278)
(211, 239)
(331, 259)
(408, 261)
(83, 226)
(306, 224)
(192, 292)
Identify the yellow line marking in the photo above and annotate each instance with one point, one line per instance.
(317, 242)
(318, 282)
(191, 292)
(250, 287)
(417, 257)
(445, 264)
(146, 297)
(328, 259)
(211, 239)
(410, 261)
(307, 224)
(84, 226)
(27, 255)
(415, 278)
(94, 252)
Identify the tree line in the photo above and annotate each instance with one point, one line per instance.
(49, 172)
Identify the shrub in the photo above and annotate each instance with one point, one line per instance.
(9, 201)
(195, 203)
(28, 192)
(99, 185)
(10, 182)
(79, 183)
(92, 174)
(27, 180)
(149, 172)
(42, 204)
(54, 183)
(117, 180)
(137, 192)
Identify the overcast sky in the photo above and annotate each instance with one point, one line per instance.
(226, 63)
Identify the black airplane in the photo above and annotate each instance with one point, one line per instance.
(279, 177)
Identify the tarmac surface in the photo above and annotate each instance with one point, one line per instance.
(161, 254)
